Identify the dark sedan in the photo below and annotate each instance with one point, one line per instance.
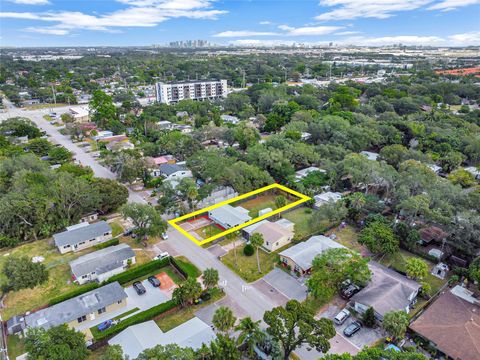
(352, 329)
(154, 281)
(139, 288)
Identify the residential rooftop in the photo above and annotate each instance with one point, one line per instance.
(76, 307)
(101, 261)
(81, 233)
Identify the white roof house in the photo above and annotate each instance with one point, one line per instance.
(302, 254)
(435, 168)
(474, 171)
(326, 197)
(229, 119)
(300, 174)
(229, 216)
(137, 338)
(370, 155)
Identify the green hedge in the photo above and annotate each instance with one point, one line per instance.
(107, 244)
(187, 269)
(132, 320)
(79, 291)
(137, 271)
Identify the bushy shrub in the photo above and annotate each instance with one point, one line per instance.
(248, 250)
(138, 271)
(107, 244)
(8, 242)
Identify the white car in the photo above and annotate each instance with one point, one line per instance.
(341, 317)
(161, 256)
(165, 236)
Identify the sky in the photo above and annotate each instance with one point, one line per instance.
(239, 22)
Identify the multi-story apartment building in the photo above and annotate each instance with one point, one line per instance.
(196, 90)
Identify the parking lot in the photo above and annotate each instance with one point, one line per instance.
(365, 337)
(151, 298)
(279, 285)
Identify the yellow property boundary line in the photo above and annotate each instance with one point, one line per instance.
(302, 199)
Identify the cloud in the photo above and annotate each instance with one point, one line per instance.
(344, 33)
(313, 30)
(31, 2)
(265, 22)
(380, 9)
(447, 5)
(463, 39)
(242, 33)
(140, 13)
(287, 31)
(48, 31)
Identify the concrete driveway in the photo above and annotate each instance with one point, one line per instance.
(279, 281)
(151, 298)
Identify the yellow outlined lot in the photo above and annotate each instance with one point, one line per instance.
(302, 199)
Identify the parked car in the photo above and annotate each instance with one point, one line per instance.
(139, 288)
(105, 325)
(351, 329)
(161, 256)
(349, 291)
(154, 281)
(165, 236)
(204, 297)
(341, 317)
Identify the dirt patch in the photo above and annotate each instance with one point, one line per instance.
(166, 283)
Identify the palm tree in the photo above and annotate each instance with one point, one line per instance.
(250, 333)
(257, 241)
(233, 236)
(357, 200)
(210, 277)
(223, 319)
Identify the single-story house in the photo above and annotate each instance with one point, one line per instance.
(81, 236)
(299, 258)
(81, 309)
(370, 155)
(165, 159)
(275, 234)
(102, 264)
(80, 114)
(300, 174)
(115, 146)
(474, 171)
(228, 216)
(435, 168)
(174, 172)
(229, 119)
(102, 135)
(386, 291)
(185, 129)
(137, 338)
(432, 233)
(165, 125)
(326, 197)
(452, 324)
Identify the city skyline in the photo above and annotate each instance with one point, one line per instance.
(147, 22)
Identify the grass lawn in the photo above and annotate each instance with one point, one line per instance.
(16, 346)
(247, 267)
(97, 353)
(348, 238)
(126, 313)
(208, 231)
(261, 202)
(179, 317)
(59, 280)
(117, 229)
(303, 227)
(398, 262)
(189, 268)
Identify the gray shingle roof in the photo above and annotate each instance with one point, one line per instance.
(303, 253)
(76, 307)
(169, 169)
(387, 290)
(101, 261)
(228, 214)
(78, 235)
